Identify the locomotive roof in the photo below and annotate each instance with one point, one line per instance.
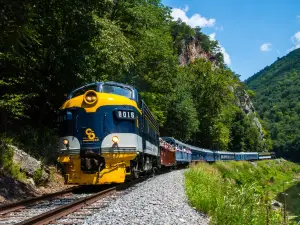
(107, 82)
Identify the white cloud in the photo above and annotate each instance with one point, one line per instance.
(296, 38)
(212, 36)
(227, 59)
(296, 41)
(265, 47)
(195, 20)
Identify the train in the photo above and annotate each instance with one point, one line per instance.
(107, 134)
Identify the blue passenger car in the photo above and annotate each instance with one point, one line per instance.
(200, 154)
(239, 156)
(248, 156)
(224, 156)
(251, 156)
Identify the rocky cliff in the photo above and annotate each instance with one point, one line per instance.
(244, 102)
(193, 50)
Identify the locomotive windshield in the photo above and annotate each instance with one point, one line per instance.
(82, 90)
(126, 92)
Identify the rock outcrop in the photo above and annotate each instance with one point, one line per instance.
(29, 165)
(244, 102)
(192, 50)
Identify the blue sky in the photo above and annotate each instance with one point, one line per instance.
(252, 33)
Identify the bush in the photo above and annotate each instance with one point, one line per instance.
(8, 167)
(37, 176)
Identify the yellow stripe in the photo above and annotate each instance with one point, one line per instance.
(103, 100)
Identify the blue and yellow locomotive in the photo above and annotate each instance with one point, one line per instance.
(107, 134)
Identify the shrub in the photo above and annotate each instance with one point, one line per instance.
(8, 167)
(37, 176)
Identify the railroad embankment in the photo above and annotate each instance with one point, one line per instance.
(22, 176)
(244, 192)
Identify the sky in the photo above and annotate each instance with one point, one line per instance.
(251, 33)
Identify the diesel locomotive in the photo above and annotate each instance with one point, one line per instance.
(107, 134)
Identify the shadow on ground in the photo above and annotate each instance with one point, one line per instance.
(12, 190)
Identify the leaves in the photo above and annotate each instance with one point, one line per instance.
(277, 101)
(49, 48)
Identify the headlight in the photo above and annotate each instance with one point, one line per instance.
(115, 139)
(65, 141)
(90, 97)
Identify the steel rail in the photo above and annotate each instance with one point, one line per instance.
(61, 211)
(22, 204)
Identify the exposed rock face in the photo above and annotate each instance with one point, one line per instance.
(28, 164)
(192, 50)
(244, 102)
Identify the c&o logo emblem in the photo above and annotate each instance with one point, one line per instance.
(90, 134)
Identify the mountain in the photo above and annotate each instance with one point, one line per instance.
(277, 100)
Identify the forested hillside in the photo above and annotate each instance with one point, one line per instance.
(277, 100)
(48, 48)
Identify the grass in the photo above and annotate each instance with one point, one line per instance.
(239, 192)
(7, 166)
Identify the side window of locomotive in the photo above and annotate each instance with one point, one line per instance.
(81, 91)
(139, 101)
(117, 90)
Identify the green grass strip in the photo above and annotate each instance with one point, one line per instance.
(240, 192)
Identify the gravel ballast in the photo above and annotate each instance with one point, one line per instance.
(159, 200)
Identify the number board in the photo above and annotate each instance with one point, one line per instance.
(123, 114)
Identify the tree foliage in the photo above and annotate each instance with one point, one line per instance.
(48, 48)
(277, 101)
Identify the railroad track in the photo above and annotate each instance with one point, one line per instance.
(63, 207)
